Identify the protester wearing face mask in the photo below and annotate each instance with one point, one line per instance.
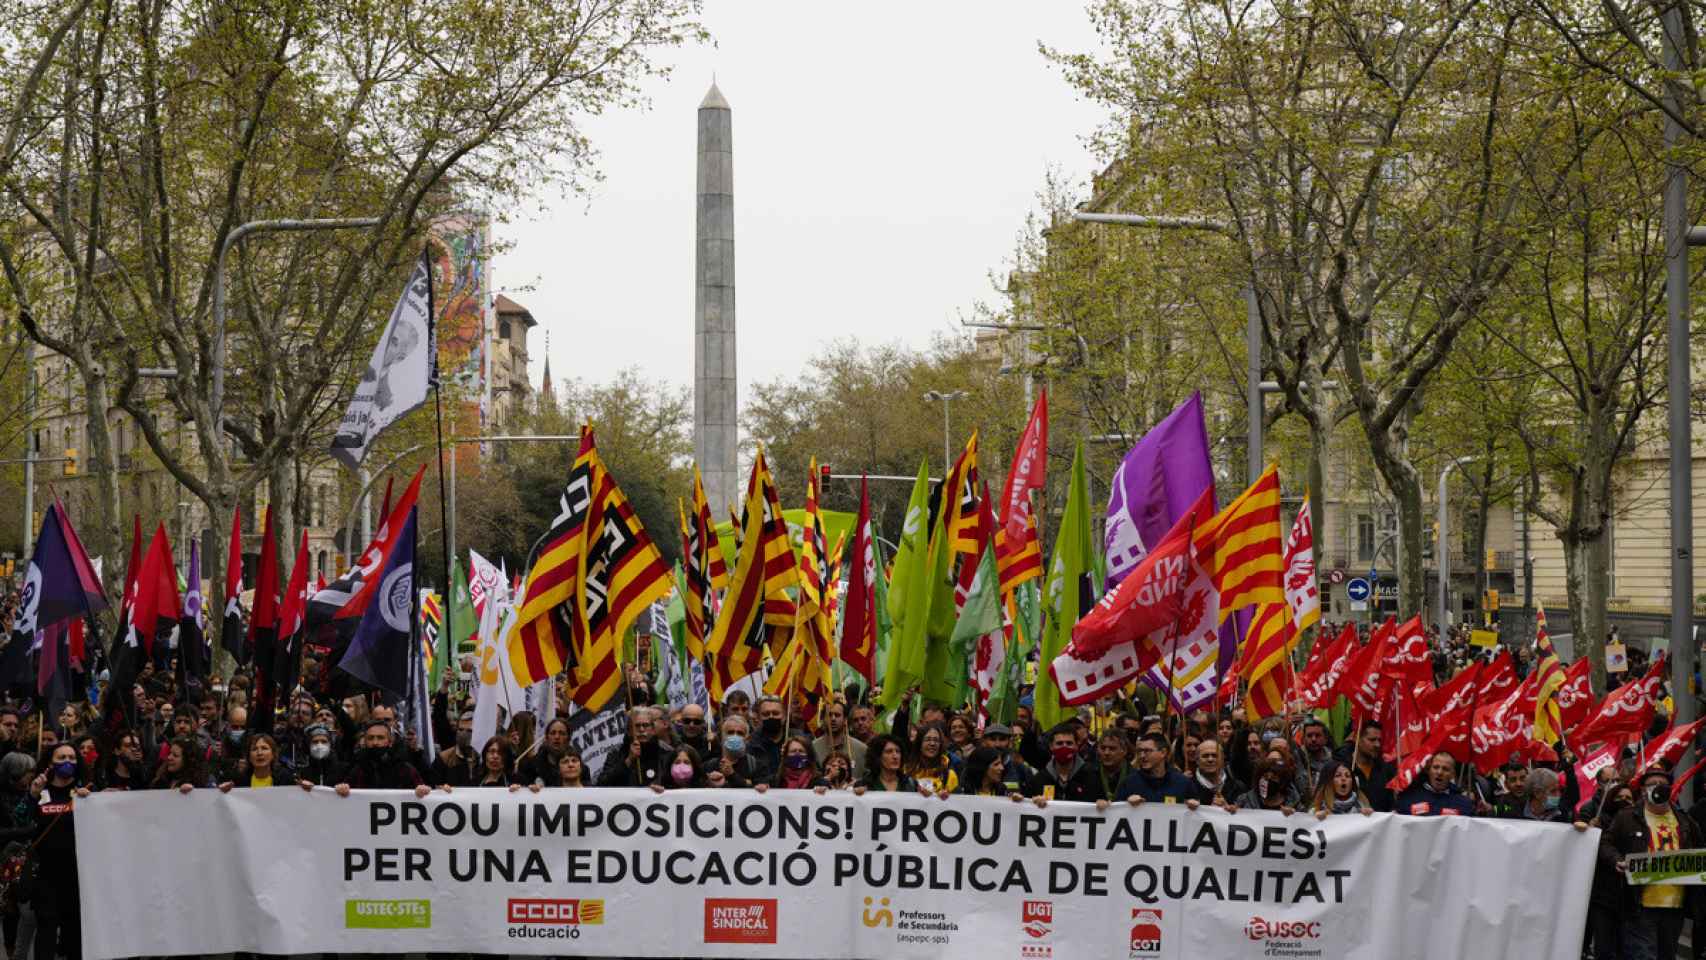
(459, 764)
(765, 744)
(1653, 914)
(733, 766)
(1541, 800)
(682, 771)
(799, 769)
(377, 767)
(1066, 776)
(323, 769)
(55, 897)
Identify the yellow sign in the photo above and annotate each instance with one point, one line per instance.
(1492, 601)
(1484, 638)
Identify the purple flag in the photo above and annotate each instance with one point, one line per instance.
(1159, 480)
(53, 588)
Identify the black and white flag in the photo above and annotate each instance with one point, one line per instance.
(399, 374)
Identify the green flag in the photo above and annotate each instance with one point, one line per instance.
(939, 670)
(885, 626)
(1003, 706)
(980, 616)
(909, 595)
(459, 612)
(1072, 590)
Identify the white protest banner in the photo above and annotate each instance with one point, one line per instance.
(1684, 867)
(718, 873)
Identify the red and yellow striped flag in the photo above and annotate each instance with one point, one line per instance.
(1242, 549)
(597, 572)
(1266, 661)
(1548, 719)
(737, 643)
(1021, 561)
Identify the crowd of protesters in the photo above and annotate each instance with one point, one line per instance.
(193, 739)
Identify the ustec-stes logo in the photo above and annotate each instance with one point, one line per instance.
(567, 912)
(1145, 932)
(740, 921)
(1260, 929)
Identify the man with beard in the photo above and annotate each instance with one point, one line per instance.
(377, 765)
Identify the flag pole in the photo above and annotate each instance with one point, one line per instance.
(438, 424)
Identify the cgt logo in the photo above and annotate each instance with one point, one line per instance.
(564, 912)
(740, 921)
(1145, 932)
(1260, 929)
(1037, 919)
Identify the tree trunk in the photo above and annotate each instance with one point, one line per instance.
(281, 494)
(1587, 577)
(1484, 502)
(108, 539)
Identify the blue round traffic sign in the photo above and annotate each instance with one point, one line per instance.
(1357, 589)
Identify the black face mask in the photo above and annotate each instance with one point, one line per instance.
(370, 755)
(772, 727)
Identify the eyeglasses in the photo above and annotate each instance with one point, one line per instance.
(692, 722)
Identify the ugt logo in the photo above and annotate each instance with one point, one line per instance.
(1036, 918)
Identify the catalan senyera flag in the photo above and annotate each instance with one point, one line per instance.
(1548, 722)
(736, 644)
(781, 572)
(1241, 547)
(1277, 627)
(1271, 637)
(597, 572)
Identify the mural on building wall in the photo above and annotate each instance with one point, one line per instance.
(461, 294)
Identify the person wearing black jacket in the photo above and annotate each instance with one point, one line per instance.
(641, 760)
(1066, 776)
(1372, 773)
(1213, 783)
(124, 768)
(378, 766)
(458, 766)
(322, 768)
(1111, 770)
(1653, 914)
(1606, 908)
(58, 924)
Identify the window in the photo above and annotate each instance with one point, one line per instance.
(1365, 538)
(503, 329)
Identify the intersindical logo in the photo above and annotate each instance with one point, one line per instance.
(734, 920)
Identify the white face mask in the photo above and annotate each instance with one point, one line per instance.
(319, 751)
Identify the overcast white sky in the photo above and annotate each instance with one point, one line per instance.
(886, 154)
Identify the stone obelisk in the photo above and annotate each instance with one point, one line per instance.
(715, 388)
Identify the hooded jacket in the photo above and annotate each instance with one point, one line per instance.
(1422, 800)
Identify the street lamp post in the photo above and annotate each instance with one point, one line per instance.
(947, 435)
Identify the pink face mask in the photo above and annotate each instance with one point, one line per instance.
(682, 772)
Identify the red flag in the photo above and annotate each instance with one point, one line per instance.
(859, 613)
(1498, 679)
(263, 613)
(385, 505)
(231, 635)
(1457, 693)
(166, 600)
(154, 591)
(94, 592)
(1503, 728)
(1667, 749)
(1327, 665)
(1408, 657)
(1030, 463)
(1575, 697)
(1361, 683)
(1148, 600)
(372, 559)
(295, 595)
(1446, 728)
(1626, 710)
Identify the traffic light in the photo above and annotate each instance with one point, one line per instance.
(70, 462)
(822, 475)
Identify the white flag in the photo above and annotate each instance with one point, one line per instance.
(397, 377)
